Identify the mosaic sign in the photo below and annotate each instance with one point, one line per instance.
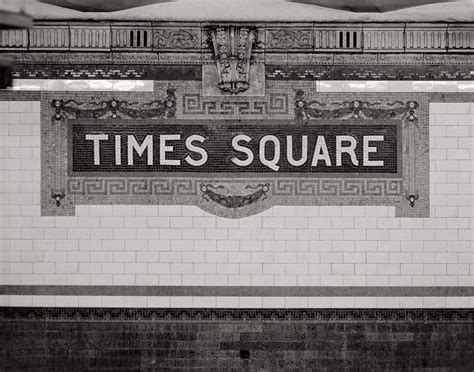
(269, 147)
(153, 152)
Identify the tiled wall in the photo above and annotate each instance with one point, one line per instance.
(282, 247)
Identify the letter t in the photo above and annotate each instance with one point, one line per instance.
(97, 138)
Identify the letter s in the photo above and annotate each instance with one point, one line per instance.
(191, 147)
(245, 150)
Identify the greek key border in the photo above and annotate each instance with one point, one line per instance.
(281, 187)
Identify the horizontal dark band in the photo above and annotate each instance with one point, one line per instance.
(101, 290)
(200, 315)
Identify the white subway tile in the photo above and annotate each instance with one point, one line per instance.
(113, 301)
(445, 86)
(170, 279)
(205, 301)
(457, 107)
(158, 222)
(388, 269)
(331, 257)
(77, 279)
(227, 268)
(115, 222)
(273, 302)
(424, 280)
(296, 302)
(228, 302)
(318, 222)
(377, 86)
(307, 211)
(400, 280)
(331, 86)
(330, 211)
(457, 269)
(181, 268)
(80, 256)
(67, 301)
(331, 234)
(412, 269)
(422, 86)
(262, 257)
(135, 268)
(411, 302)
(342, 246)
(354, 257)
(263, 280)
(21, 301)
(169, 210)
(365, 302)
(159, 301)
(438, 108)
(90, 301)
(218, 234)
(204, 268)
(388, 302)
(113, 268)
(342, 302)
(250, 302)
(44, 301)
(124, 279)
(378, 234)
(216, 280)
(434, 302)
(101, 279)
(319, 269)
(145, 280)
(250, 269)
(309, 280)
(193, 280)
(240, 280)
(354, 86)
(465, 86)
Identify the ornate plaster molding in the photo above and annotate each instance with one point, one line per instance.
(232, 50)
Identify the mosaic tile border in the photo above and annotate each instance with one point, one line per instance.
(212, 315)
(273, 71)
(371, 72)
(101, 71)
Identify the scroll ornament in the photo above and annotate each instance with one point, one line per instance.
(116, 109)
(308, 110)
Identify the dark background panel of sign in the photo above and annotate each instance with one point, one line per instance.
(220, 151)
